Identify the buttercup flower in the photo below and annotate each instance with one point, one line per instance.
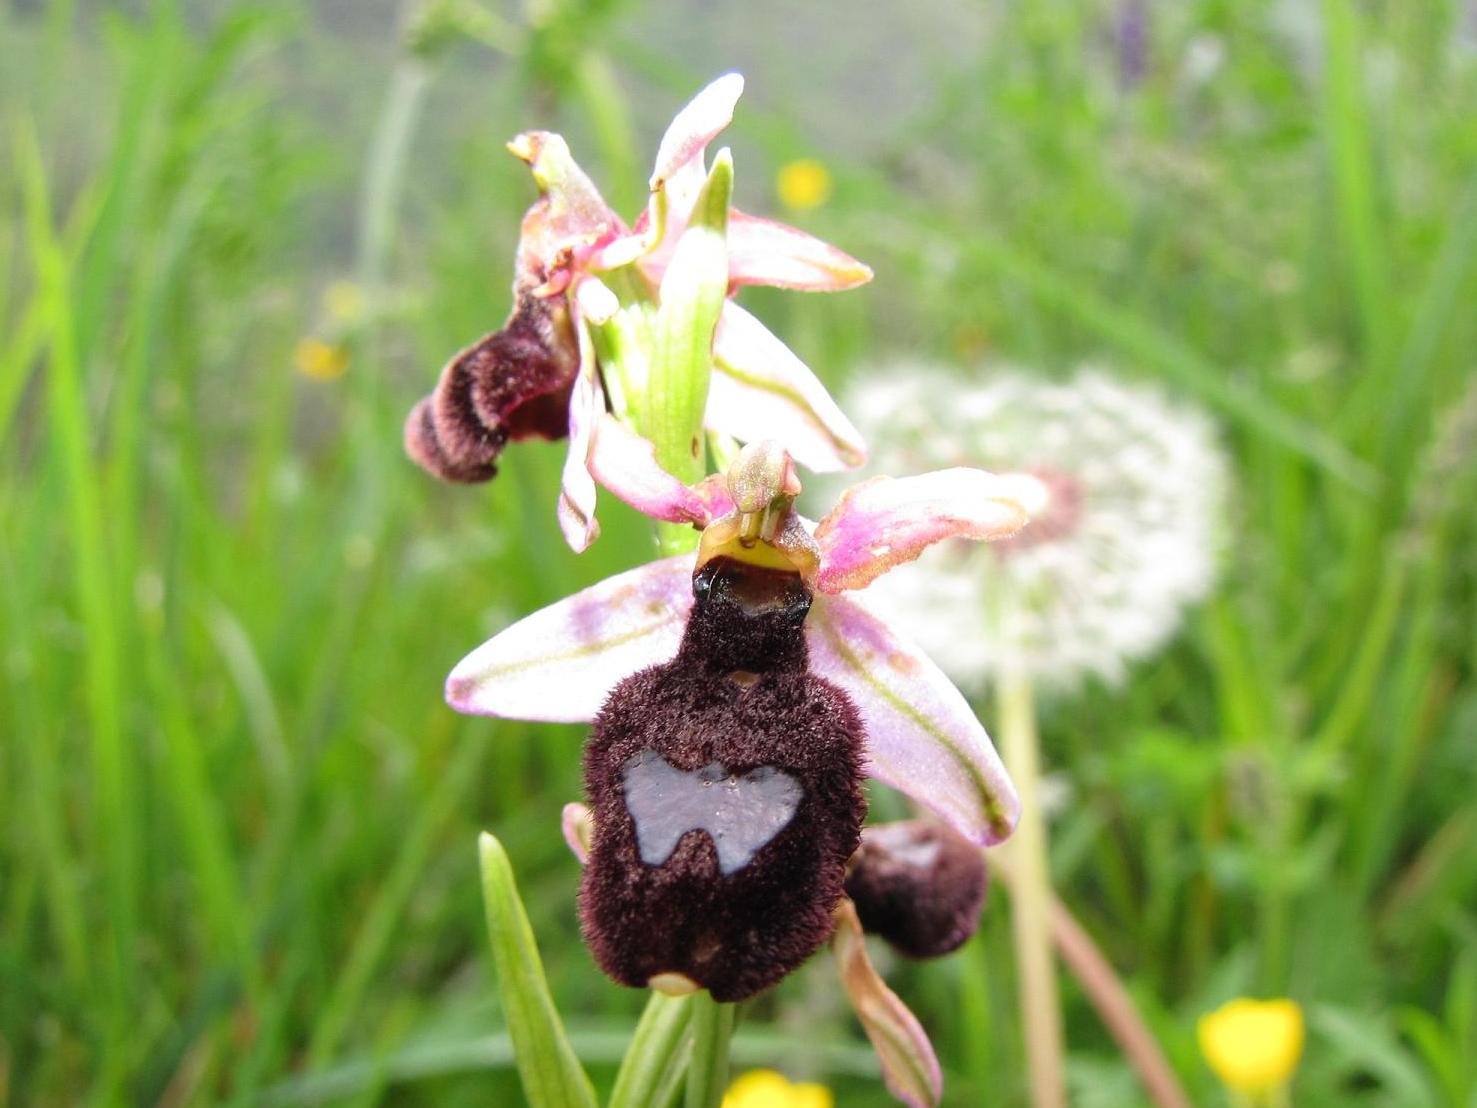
(320, 360)
(768, 1089)
(1253, 1045)
(803, 184)
(572, 352)
(737, 698)
(1123, 531)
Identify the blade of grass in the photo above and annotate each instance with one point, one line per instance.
(548, 1065)
(385, 911)
(114, 780)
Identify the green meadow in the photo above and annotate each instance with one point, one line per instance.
(238, 823)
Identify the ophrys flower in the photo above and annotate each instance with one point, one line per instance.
(574, 352)
(737, 699)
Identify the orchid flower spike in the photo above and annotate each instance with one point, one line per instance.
(738, 698)
(570, 360)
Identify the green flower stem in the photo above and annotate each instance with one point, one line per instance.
(712, 1028)
(669, 411)
(654, 1053)
(1031, 897)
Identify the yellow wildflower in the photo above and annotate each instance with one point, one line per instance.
(322, 361)
(803, 184)
(767, 1089)
(344, 301)
(1253, 1045)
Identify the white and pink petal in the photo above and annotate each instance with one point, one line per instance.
(922, 736)
(576, 507)
(764, 252)
(760, 390)
(625, 463)
(883, 522)
(559, 664)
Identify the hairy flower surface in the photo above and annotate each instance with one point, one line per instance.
(918, 885)
(737, 698)
(1125, 513)
(573, 353)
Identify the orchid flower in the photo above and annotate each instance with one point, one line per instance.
(738, 698)
(560, 664)
(574, 354)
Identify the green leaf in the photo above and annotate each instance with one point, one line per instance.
(551, 1072)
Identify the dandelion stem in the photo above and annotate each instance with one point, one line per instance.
(1031, 898)
(1109, 996)
(712, 1028)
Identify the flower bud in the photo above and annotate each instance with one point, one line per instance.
(919, 885)
(726, 791)
(512, 384)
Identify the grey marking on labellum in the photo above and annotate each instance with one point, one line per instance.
(740, 813)
(902, 843)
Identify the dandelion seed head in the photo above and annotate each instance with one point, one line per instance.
(1129, 488)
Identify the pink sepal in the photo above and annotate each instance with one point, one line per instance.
(922, 736)
(909, 1065)
(886, 521)
(761, 390)
(559, 664)
(764, 252)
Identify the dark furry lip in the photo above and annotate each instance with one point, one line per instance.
(725, 787)
(919, 885)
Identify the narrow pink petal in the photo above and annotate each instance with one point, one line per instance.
(578, 824)
(922, 736)
(576, 509)
(763, 252)
(887, 521)
(712, 490)
(696, 125)
(909, 1065)
(761, 390)
(559, 664)
(625, 463)
(620, 251)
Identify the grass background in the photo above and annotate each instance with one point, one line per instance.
(237, 860)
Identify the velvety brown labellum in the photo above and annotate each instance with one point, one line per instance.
(512, 384)
(919, 885)
(778, 752)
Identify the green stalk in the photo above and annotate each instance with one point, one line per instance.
(712, 1029)
(1031, 897)
(670, 414)
(654, 1051)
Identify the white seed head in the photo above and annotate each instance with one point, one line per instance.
(1128, 489)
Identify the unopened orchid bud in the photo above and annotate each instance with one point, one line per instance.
(726, 791)
(919, 885)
